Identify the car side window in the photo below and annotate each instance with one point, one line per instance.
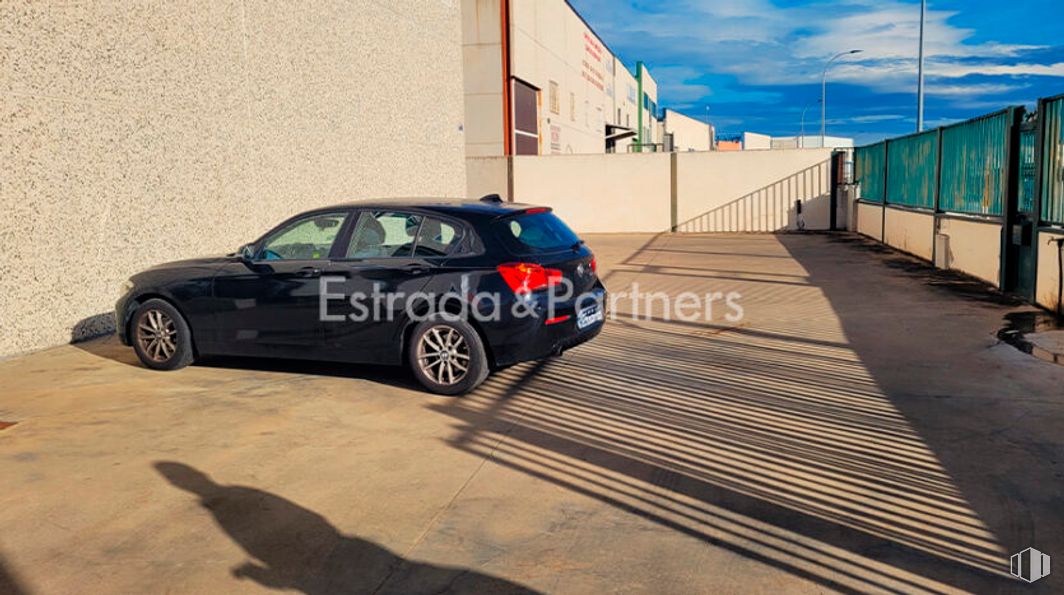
(384, 234)
(306, 239)
(436, 238)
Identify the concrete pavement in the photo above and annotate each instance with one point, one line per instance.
(860, 429)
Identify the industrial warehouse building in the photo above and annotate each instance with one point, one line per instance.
(540, 81)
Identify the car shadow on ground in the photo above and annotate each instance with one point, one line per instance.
(792, 443)
(110, 348)
(293, 548)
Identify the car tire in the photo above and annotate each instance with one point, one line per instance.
(444, 374)
(160, 336)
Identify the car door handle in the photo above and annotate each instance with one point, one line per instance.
(308, 272)
(415, 269)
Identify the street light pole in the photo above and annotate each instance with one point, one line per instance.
(801, 138)
(824, 95)
(920, 72)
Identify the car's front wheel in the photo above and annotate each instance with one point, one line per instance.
(161, 336)
(447, 356)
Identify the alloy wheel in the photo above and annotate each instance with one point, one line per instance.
(443, 355)
(157, 335)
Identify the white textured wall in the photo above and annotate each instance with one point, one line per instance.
(753, 191)
(133, 133)
(910, 231)
(974, 247)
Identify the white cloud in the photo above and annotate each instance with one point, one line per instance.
(876, 118)
(973, 89)
(763, 44)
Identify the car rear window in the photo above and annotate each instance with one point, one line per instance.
(536, 232)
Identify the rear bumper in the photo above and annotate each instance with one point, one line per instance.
(519, 340)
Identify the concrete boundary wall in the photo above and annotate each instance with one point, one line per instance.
(1047, 288)
(870, 220)
(909, 231)
(754, 191)
(651, 192)
(974, 247)
(599, 193)
(974, 244)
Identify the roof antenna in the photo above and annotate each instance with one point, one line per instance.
(491, 198)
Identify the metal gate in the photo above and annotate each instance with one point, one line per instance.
(1021, 254)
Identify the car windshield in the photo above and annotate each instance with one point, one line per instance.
(536, 232)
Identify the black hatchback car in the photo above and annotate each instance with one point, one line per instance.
(454, 289)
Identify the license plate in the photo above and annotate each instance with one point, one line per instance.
(588, 316)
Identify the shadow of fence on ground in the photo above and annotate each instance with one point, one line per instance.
(771, 207)
(775, 443)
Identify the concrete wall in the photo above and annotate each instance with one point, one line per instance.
(974, 247)
(1048, 270)
(486, 175)
(599, 193)
(910, 231)
(753, 191)
(137, 133)
(483, 77)
(870, 220)
(633, 193)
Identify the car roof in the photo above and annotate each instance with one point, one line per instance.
(458, 207)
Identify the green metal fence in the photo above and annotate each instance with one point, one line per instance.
(870, 168)
(1052, 168)
(974, 174)
(1028, 167)
(912, 163)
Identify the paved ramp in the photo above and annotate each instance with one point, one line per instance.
(858, 429)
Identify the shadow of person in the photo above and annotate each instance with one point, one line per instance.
(9, 584)
(294, 548)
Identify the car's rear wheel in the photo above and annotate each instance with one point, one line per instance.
(161, 336)
(447, 356)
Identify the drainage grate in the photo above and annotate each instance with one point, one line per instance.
(6, 424)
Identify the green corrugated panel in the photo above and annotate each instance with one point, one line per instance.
(974, 165)
(911, 162)
(869, 163)
(1052, 161)
(1027, 170)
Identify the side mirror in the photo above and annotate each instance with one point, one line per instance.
(246, 252)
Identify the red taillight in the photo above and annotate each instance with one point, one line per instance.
(525, 277)
(537, 210)
(594, 265)
(557, 320)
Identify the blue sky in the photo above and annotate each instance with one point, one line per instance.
(757, 63)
